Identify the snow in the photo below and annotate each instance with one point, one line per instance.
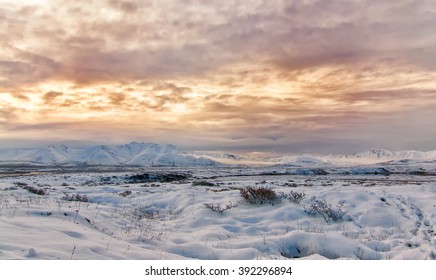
(387, 217)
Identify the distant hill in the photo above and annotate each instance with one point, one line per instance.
(394, 155)
(364, 158)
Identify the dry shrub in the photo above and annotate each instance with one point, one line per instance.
(76, 197)
(260, 195)
(34, 190)
(218, 208)
(326, 210)
(125, 193)
(296, 197)
(203, 183)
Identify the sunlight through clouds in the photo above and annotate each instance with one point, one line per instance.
(253, 73)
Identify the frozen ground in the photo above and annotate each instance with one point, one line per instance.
(165, 217)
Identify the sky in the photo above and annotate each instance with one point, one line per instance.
(279, 76)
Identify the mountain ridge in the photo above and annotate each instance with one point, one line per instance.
(134, 153)
(152, 154)
(373, 156)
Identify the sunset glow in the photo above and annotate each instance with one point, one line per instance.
(322, 76)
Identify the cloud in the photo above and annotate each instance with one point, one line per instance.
(50, 96)
(127, 40)
(7, 114)
(234, 73)
(117, 98)
(407, 95)
(125, 6)
(14, 72)
(172, 88)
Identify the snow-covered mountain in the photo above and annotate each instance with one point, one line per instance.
(224, 158)
(383, 155)
(395, 155)
(150, 154)
(302, 161)
(134, 153)
(374, 156)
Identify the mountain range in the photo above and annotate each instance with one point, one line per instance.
(394, 155)
(364, 158)
(134, 153)
(151, 154)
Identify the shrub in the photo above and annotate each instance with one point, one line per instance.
(203, 183)
(125, 193)
(218, 208)
(290, 184)
(156, 177)
(20, 184)
(327, 211)
(260, 195)
(76, 197)
(37, 191)
(34, 190)
(296, 197)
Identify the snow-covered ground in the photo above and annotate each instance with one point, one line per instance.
(152, 217)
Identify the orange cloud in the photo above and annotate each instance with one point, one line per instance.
(259, 73)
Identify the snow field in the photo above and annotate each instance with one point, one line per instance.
(386, 218)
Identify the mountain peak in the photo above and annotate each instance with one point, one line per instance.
(134, 153)
(379, 153)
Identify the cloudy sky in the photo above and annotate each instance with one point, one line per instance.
(274, 75)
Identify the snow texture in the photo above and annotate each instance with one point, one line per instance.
(387, 217)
